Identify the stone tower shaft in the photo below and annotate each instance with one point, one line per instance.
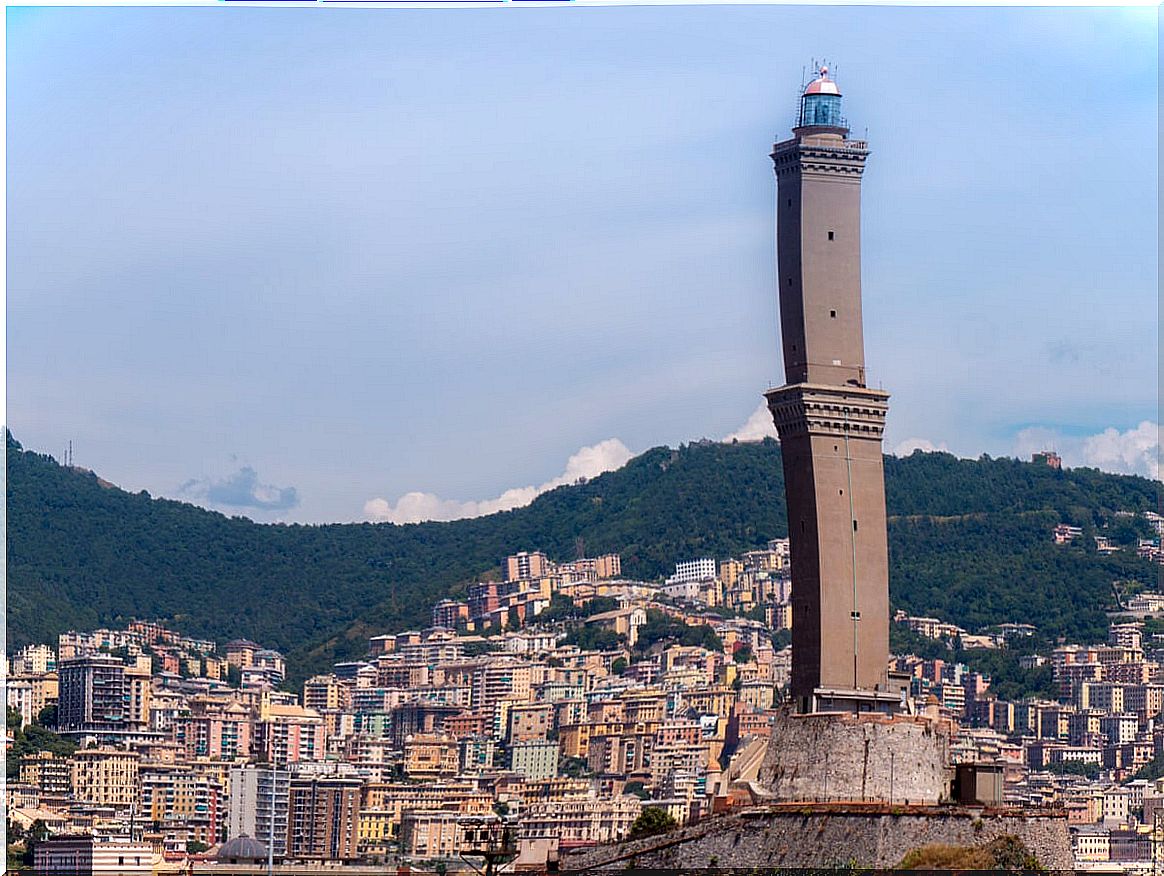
(830, 423)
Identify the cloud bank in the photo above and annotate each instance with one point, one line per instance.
(416, 507)
(758, 426)
(909, 445)
(1134, 451)
(241, 489)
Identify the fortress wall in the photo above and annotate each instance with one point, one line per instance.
(828, 836)
(824, 757)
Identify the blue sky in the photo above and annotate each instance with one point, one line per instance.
(297, 263)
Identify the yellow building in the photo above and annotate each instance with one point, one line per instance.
(730, 572)
(325, 693)
(428, 756)
(106, 776)
(44, 689)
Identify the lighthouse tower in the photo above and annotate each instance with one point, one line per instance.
(829, 421)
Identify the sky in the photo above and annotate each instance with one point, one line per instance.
(334, 265)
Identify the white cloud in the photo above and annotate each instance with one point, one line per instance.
(415, 507)
(240, 489)
(909, 445)
(758, 426)
(1135, 451)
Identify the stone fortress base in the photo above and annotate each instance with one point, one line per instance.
(826, 835)
(833, 790)
(869, 757)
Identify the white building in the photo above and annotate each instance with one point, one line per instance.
(535, 759)
(94, 855)
(34, 659)
(19, 697)
(693, 570)
(259, 798)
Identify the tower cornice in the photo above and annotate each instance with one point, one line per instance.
(821, 409)
(820, 155)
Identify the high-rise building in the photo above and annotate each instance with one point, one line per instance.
(608, 566)
(258, 805)
(213, 728)
(829, 420)
(526, 566)
(100, 695)
(323, 815)
(180, 796)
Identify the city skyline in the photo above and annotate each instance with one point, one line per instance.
(303, 270)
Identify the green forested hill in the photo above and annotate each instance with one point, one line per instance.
(969, 541)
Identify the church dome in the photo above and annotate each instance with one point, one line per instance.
(242, 848)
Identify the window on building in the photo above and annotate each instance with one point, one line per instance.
(830, 235)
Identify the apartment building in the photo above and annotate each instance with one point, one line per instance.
(323, 818)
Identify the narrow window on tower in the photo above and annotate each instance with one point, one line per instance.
(832, 314)
(830, 235)
(854, 526)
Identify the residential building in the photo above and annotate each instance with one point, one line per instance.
(259, 799)
(106, 776)
(323, 818)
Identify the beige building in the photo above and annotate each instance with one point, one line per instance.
(623, 621)
(501, 679)
(106, 776)
(34, 660)
(429, 756)
(289, 734)
(179, 797)
(52, 774)
(325, 693)
(444, 834)
(526, 565)
(582, 819)
(384, 805)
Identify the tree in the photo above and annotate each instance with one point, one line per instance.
(195, 847)
(651, 821)
(47, 717)
(618, 665)
(1074, 768)
(636, 788)
(743, 654)
(575, 767)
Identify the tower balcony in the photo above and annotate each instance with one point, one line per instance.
(835, 411)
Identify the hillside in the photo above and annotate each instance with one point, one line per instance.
(969, 541)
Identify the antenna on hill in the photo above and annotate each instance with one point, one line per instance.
(69, 455)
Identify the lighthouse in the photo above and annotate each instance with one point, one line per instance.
(829, 420)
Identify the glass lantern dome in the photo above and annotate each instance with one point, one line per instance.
(820, 105)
